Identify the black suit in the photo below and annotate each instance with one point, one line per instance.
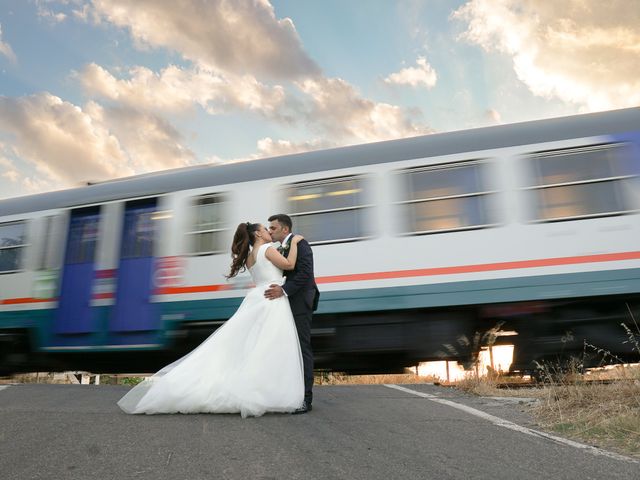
(303, 294)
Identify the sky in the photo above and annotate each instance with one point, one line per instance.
(92, 90)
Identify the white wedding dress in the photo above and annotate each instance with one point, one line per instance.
(251, 365)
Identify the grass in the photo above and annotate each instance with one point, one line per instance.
(65, 378)
(606, 415)
(36, 377)
(497, 384)
(333, 378)
(600, 407)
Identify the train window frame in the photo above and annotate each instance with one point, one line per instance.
(363, 206)
(536, 185)
(407, 225)
(194, 232)
(21, 247)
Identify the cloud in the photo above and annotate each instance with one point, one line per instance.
(61, 140)
(423, 75)
(69, 145)
(151, 142)
(492, 116)
(338, 110)
(235, 36)
(175, 89)
(267, 147)
(5, 49)
(232, 44)
(330, 106)
(83, 13)
(581, 51)
(7, 167)
(50, 15)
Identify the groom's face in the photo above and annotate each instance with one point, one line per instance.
(278, 231)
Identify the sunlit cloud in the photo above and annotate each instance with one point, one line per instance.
(492, 116)
(150, 142)
(41, 184)
(268, 147)
(176, 89)
(5, 49)
(339, 111)
(236, 36)
(69, 146)
(423, 75)
(330, 106)
(61, 140)
(232, 44)
(50, 15)
(7, 168)
(83, 13)
(580, 51)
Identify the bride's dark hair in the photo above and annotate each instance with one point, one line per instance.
(243, 238)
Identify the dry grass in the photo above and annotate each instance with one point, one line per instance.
(67, 378)
(36, 377)
(334, 378)
(580, 406)
(607, 415)
(604, 412)
(496, 384)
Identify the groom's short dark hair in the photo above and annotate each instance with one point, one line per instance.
(282, 219)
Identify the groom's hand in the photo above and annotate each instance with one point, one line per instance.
(274, 291)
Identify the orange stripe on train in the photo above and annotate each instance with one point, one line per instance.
(423, 272)
(486, 267)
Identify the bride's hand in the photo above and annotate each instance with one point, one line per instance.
(297, 238)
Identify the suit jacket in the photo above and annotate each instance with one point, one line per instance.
(300, 285)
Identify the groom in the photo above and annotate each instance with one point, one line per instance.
(300, 287)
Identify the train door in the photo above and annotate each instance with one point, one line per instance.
(133, 310)
(73, 314)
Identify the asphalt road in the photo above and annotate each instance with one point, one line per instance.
(354, 432)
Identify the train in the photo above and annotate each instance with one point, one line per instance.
(425, 248)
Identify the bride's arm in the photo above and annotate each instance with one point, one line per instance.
(279, 260)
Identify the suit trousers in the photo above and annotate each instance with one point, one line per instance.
(303, 325)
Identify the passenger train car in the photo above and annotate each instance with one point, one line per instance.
(529, 231)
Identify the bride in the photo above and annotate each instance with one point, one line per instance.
(252, 364)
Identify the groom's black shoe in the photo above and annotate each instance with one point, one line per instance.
(306, 407)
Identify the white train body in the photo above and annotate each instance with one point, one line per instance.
(406, 240)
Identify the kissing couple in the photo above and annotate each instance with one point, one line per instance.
(260, 360)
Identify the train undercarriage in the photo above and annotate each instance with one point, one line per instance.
(589, 331)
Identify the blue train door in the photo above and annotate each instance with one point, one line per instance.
(74, 314)
(133, 311)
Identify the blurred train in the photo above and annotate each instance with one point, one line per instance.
(425, 248)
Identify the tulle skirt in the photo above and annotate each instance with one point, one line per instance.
(251, 365)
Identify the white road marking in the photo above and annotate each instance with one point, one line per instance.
(500, 422)
(2, 387)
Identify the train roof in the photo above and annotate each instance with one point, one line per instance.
(500, 136)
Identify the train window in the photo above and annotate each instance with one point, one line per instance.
(208, 235)
(329, 210)
(442, 198)
(12, 245)
(581, 182)
(83, 237)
